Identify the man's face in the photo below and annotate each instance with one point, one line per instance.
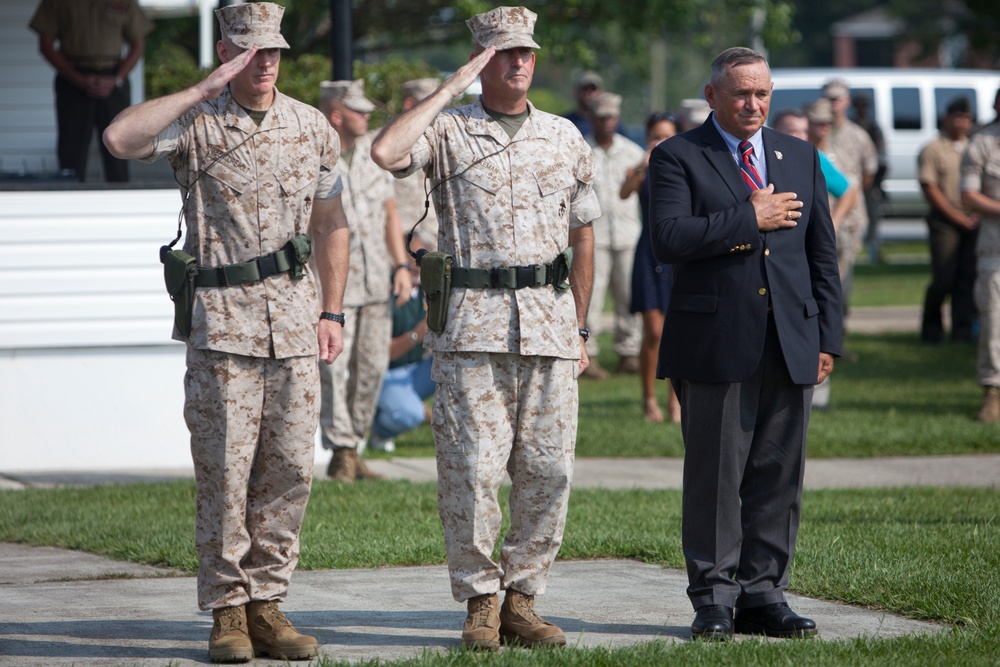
(795, 126)
(352, 123)
(957, 125)
(742, 99)
(605, 126)
(260, 74)
(819, 132)
(839, 104)
(586, 93)
(509, 72)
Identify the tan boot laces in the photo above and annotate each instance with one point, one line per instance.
(524, 605)
(229, 619)
(274, 616)
(481, 609)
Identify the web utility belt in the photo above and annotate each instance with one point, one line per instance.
(182, 275)
(507, 277)
(439, 275)
(253, 271)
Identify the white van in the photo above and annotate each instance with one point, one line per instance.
(905, 103)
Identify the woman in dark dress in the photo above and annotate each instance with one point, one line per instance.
(651, 280)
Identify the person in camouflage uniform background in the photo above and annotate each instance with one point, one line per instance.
(256, 169)
(379, 270)
(410, 195)
(512, 187)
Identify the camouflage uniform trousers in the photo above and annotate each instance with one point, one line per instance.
(351, 385)
(850, 241)
(987, 295)
(253, 423)
(495, 413)
(613, 267)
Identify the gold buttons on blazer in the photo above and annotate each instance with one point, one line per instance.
(767, 251)
(762, 291)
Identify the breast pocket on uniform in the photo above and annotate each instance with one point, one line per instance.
(485, 176)
(296, 178)
(230, 174)
(556, 181)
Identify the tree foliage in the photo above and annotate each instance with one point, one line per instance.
(399, 39)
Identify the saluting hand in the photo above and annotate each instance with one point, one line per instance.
(775, 210)
(216, 82)
(466, 75)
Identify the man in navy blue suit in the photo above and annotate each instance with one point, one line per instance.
(755, 321)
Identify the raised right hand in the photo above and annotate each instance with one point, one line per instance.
(465, 76)
(216, 82)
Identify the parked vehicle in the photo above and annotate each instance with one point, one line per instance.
(907, 104)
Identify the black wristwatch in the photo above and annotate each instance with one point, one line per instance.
(585, 334)
(333, 317)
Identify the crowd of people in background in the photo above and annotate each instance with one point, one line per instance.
(506, 359)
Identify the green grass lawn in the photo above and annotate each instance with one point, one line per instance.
(900, 398)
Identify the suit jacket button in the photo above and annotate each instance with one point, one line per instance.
(767, 251)
(762, 291)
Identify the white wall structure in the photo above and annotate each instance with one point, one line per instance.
(89, 378)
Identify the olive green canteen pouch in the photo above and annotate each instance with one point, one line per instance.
(435, 278)
(180, 273)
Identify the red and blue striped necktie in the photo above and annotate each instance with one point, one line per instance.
(750, 174)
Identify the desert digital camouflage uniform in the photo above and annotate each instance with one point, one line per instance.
(981, 173)
(352, 383)
(853, 152)
(616, 234)
(506, 362)
(410, 199)
(252, 385)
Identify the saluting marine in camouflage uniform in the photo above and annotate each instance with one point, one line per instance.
(512, 189)
(257, 169)
(379, 268)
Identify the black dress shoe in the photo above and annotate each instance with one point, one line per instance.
(773, 620)
(713, 622)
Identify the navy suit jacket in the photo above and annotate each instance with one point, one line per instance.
(727, 272)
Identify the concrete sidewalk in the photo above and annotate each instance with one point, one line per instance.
(978, 470)
(56, 611)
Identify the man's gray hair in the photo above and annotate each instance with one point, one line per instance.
(733, 57)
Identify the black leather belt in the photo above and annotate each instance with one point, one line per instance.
(508, 277)
(247, 272)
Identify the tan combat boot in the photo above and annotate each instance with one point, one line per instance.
(229, 641)
(273, 635)
(364, 472)
(482, 626)
(990, 412)
(519, 624)
(343, 466)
